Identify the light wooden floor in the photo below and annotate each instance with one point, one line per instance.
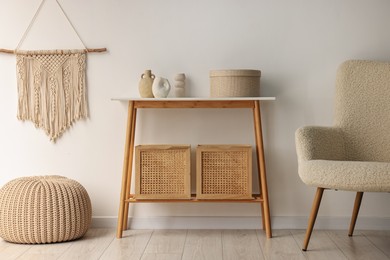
(208, 244)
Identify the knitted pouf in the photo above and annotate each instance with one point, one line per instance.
(43, 209)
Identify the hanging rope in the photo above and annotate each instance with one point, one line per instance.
(70, 23)
(32, 23)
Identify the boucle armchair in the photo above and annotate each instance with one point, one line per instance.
(354, 154)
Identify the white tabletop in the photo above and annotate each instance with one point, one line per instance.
(194, 99)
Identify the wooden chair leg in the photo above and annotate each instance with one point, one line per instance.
(313, 216)
(358, 201)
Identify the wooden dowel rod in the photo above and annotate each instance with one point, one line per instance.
(7, 51)
(88, 50)
(97, 50)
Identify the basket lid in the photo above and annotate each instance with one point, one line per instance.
(239, 72)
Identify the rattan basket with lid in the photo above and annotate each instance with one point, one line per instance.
(235, 83)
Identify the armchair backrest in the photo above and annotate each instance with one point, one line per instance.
(362, 109)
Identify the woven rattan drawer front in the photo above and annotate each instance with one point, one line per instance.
(224, 172)
(162, 172)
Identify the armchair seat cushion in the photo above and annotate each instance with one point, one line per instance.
(346, 175)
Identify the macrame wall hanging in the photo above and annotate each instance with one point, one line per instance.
(51, 84)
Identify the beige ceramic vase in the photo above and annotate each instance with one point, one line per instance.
(180, 85)
(145, 84)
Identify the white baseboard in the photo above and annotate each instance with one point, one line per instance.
(293, 222)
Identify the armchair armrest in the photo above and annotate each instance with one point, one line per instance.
(320, 143)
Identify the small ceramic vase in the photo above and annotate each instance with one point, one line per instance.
(161, 87)
(145, 84)
(180, 85)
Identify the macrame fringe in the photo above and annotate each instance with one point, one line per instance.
(52, 89)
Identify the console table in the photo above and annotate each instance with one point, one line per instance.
(143, 103)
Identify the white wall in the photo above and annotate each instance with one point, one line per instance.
(296, 44)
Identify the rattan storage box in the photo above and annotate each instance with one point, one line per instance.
(235, 83)
(162, 172)
(224, 172)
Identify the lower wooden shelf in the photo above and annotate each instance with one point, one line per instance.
(256, 198)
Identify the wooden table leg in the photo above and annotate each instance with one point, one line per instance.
(126, 171)
(261, 169)
(262, 210)
(130, 167)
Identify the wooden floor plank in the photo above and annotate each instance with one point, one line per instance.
(207, 244)
(164, 243)
(203, 245)
(12, 251)
(321, 247)
(91, 246)
(381, 239)
(45, 251)
(161, 256)
(131, 246)
(281, 246)
(240, 244)
(356, 247)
